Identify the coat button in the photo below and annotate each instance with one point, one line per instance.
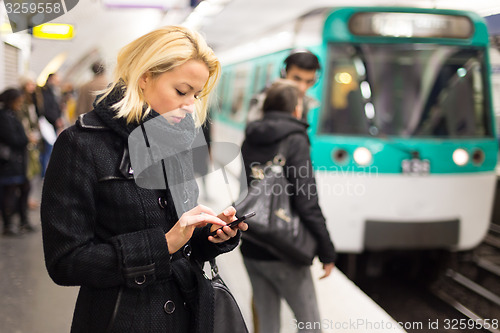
(187, 251)
(140, 280)
(169, 307)
(162, 202)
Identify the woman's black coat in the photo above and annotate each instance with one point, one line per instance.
(262, 140)
(12, 134)
(104, 233)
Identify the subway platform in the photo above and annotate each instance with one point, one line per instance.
(31, 303)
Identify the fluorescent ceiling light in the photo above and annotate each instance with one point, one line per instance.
(54, 31)
(159, 4)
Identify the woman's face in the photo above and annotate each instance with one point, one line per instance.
(172, 93)
(29, 87)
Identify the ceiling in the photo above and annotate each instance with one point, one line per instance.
(102, 31)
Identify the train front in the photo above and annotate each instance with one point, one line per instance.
(404, 143)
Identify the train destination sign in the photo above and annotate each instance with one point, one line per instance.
(394, 24)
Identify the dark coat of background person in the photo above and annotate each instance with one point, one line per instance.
(12, 134)
(14, 185)
(261, 145)
(114, 238)
(51, 107)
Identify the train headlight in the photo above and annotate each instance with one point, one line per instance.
(460, 157)
(362, 156)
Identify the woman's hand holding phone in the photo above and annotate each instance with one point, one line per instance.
(219, 235)
(182, 231)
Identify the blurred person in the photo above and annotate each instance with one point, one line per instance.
(53, 114)
(68, 104)
(52, 101)
(29, 119)
(273, 279)
(87, 92)
(302, 67)
(129, 248)
(32, 93)
(13, 181)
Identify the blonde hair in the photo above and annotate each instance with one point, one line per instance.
(155, 53)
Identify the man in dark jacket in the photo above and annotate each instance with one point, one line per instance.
(52, 107)
(271, 278)
(53, 114)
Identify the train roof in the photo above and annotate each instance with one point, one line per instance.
(306, 31)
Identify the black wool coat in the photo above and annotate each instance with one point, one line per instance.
(12, 134)
(104, 233)
(261, 144)
(51, 107)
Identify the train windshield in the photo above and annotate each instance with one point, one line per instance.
(408, 90)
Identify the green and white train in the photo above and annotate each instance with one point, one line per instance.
(403, 138)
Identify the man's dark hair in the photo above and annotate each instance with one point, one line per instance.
(98, 68)
(49, 77)
(303, 59)
(282, 95)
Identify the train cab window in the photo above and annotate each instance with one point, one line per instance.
(406, 90)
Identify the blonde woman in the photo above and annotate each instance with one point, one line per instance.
(130, 248)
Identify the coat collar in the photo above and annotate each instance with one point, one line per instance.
(91, 121)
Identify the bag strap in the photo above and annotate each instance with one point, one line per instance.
(214, 268)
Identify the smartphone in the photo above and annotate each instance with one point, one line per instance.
(235, 222)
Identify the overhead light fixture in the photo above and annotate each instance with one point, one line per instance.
(157, 4)
(205, 10)
(54, 31)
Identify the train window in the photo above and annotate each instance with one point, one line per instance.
(270, 76)
(406, 90)
(257, 79)
(238, 105)
(217, 100)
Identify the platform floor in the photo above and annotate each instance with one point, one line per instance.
(31, 303)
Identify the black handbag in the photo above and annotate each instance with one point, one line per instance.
(5, 152)
(227, 314)
(276, 227)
